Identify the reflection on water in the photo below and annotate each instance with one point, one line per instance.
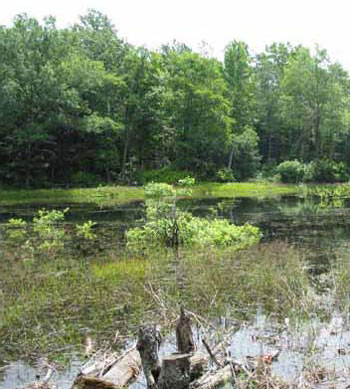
(307, 223)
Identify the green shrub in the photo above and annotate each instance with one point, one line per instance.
(48, 226)
(15, 230)
(225, 175)
(165, 175)
(326, 170)
(166, 225)
(291, 171)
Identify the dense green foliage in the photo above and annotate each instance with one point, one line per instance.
(167, 225)
(81, 106)
(291, 171)
(322, 170)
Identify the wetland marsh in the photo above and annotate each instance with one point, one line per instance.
(53, 301)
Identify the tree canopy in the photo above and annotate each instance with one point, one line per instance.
(81, 105)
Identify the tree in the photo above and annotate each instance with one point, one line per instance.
(239, 78)
(313, 98)
(197, 109)
(270, 125)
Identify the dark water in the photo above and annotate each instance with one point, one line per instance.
(306, 223)
(300, 221)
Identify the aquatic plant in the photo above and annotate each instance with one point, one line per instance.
(167, 225)
(47, 234)
(85, 230)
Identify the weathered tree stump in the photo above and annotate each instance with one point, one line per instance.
(175, 372)
(184, 336)
(147, 345)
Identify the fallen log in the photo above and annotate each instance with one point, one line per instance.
(211, 381)
(85, 382)
(232, 367)
(125, 370)
(111, 372)
(179, 370)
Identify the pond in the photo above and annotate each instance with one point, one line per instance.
(317, 230)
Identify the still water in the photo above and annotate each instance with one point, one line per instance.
(311, 226)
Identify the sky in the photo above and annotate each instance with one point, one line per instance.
(257, 22)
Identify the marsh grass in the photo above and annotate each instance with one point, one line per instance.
(115, 195)
(103, 195)
(51, 303)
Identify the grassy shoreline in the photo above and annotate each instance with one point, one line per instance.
(116, 195)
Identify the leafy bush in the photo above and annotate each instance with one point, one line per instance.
(48, 226)
(165, 175)
(326, 170)
(291, 171)
(16, 230)
(47, 233)
(166, 225)
(225, 175)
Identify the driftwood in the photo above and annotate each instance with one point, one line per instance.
(188, 370)
(86, 382)
(125, 370)
(185, 369)
(110, 372)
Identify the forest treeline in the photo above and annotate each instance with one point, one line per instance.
(81, 105)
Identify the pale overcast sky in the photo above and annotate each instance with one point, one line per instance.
(257, 22)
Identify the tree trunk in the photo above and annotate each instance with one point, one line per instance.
(184, 337)
(125, 154)
(230, 160)
(147, 345)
